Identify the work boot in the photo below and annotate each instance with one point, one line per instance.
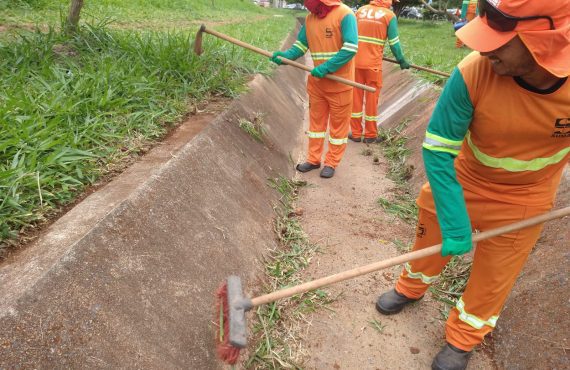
(307, 166)
(393, 302)
(353, 138)
(450, 358)
(371, 140)
(327, 172)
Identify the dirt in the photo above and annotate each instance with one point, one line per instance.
(342, 216)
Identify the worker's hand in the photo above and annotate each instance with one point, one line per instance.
(319, 71)
(404, 64)
(275, 57)
(456, 246)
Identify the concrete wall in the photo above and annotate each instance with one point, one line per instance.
(127, 277)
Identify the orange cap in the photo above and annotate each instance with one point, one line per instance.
(331, 2)
(550, 48)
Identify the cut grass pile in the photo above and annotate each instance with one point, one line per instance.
(71, 107)
(278, 323)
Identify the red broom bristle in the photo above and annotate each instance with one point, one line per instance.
(226, 352)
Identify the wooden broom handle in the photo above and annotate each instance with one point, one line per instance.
(362, 270)
(419, 67)
(285, 60)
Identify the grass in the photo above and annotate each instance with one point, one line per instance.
(430, 44)
(451, 283)
(278, 322)
(377, 325)
(73, 107)
(254, 128)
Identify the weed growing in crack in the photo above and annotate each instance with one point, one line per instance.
(279, 322)
(255, 128)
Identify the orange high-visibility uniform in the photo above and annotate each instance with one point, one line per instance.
(509, 165)
(470, 13)
(329, 101)
(373, 21)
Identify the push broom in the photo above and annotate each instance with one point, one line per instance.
(232, 304)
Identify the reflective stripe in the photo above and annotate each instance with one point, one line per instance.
(515, 165)
(299, 45)
(322, 56)
(473, 320)
(371, 118)
(349, 47)
(394, 41)
(338, 141)
(357, 115)
(316, 135)
(371, 40)
(418, 275)
(440, 144)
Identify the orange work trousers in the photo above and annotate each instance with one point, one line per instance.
(471, 14)
(330, 109)
(372, 78)
(496, 264)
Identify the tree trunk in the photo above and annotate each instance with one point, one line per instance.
(73, 18)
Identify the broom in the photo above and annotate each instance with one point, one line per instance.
(232, 304)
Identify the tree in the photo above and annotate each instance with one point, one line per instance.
(442, 10)
(73, 17)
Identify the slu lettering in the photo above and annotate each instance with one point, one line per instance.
(328, 33)
(421, 231)
(564, 125)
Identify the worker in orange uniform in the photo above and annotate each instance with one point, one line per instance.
(330, 33)
(468, 13)
(494, 152)
(377, 25)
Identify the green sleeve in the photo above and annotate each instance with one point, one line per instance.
(445, 133)
(394, 39)
(349, 48)
(299, 47)
(464, 6)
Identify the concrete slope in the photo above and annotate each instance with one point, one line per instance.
(127, 278)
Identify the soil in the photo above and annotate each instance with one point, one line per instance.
(342, 215)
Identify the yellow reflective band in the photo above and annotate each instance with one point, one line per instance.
(338, 141)
(371, 118)
(418, 275)
(371, 40)
(316, 135)
(299, 45)
(444, 140)
(440, 149)
(515, 165)
(349, 47)
(473, 320)
(322, 56)
(394, 41)
(357, 115)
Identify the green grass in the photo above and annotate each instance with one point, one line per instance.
(450, 285)
(430, 44)
(277, 322)
(70, 108)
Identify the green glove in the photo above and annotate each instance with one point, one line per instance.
(275, 57)
(404, 64)
(456, 246)
(320, 71)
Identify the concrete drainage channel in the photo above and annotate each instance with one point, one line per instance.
(126, 278)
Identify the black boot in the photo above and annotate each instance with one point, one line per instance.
(450, 358)
(372, 140)
(306, 167)
(392, 302)
(353, 138)
(327, 172)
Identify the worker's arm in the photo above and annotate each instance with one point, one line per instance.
(445, 133)
(349, 48)
(298, 49)
(394, 42)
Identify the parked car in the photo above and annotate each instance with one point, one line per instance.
(411, 12)
(296, 6)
